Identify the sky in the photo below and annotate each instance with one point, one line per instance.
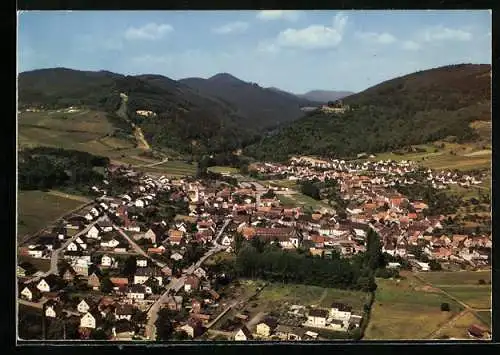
(292, 50)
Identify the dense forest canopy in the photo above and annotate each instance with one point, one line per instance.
(417, 108)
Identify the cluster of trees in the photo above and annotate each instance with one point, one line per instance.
(411, 110)
(438, 201)
(259, 259)
(45, 168)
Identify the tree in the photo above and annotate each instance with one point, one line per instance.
(98, 334)
(180, 335)
(106, 285)
(130, 266)
(445, 307)
(164, 327)
(435, 265)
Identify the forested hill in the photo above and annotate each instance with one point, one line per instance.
(261, 107)
(413, 109)
(186, 121)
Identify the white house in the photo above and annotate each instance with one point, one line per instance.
(43, 286)
(200, 272)
(112, 243)
(93, 232)
(94, 212)
(317, 318)
(50, 311)
(142, 262)
(88, 321)
(89, 217)
(83, 307)
(243, 334)
(107, 261)
(139, 203)
(27, 293)
(340, 312)
(226, 241)
(176, 256)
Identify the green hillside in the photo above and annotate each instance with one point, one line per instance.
(417, 108)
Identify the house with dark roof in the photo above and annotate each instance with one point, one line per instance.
(124, 311)
(317, 317)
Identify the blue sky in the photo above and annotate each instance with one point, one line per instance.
(296, 51)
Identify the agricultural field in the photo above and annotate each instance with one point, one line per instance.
(485, 316)
(457, 329)
(291, 184)
(439, 156)
(85, 130)
(171, 168)
(397, 302)
(36, 209)
(223, 170)
(456, 278)
(464, 285)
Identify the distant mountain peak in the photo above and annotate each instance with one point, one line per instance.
(224, 77)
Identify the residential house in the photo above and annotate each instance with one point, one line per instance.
(196, 306)
(47, 284)
(94, 232)
(200, 272)
(109, 241)
(243, 334)
(30, 293)
(166, 271)
(175, 237)
(142, 262)
(119, 281)
(85, 305)
(193, 328)
(53, 309)
(20, 271)
(124, 311)
(226, 241)
(267, 327)
(123, 330)
(174, 303)
(151, 235)
(107, 261)
(290, 333)
(105, 225)
(37, 251)
(94, 281)
(143, 274)
(317, 318)
(340, 311)
(91, 319)
(192, 283)
(137, 292)
(176, 256)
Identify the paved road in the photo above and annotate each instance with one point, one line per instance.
(177, 284)
(54, 258)
(136, 247)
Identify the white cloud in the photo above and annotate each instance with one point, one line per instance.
(233, 27)
(382, 38)
(89, 43)
(411, 45)
(269, 15)
(267, 47)
(314, 36)
(441, 33)
(151, 32)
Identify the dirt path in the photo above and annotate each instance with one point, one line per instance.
(255, 320)
(323, 295)
(449, 323)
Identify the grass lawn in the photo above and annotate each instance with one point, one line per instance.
(291, 184)
(455, 278)
(485, 316)
(219, 257)
(39, 264)
(37, 209)
(476, 296)
(275, 294)
(299, 199)
(224, 169)
(404, 311)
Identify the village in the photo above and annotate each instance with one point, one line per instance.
(121, 260)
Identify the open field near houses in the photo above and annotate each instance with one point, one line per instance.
(406, 310)
(450, 156)
(444, 278)
(485, 316)
(299, 199)
(475, 296)
(172, 168)
(223, 169)
(37, 209)
(457, 329)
